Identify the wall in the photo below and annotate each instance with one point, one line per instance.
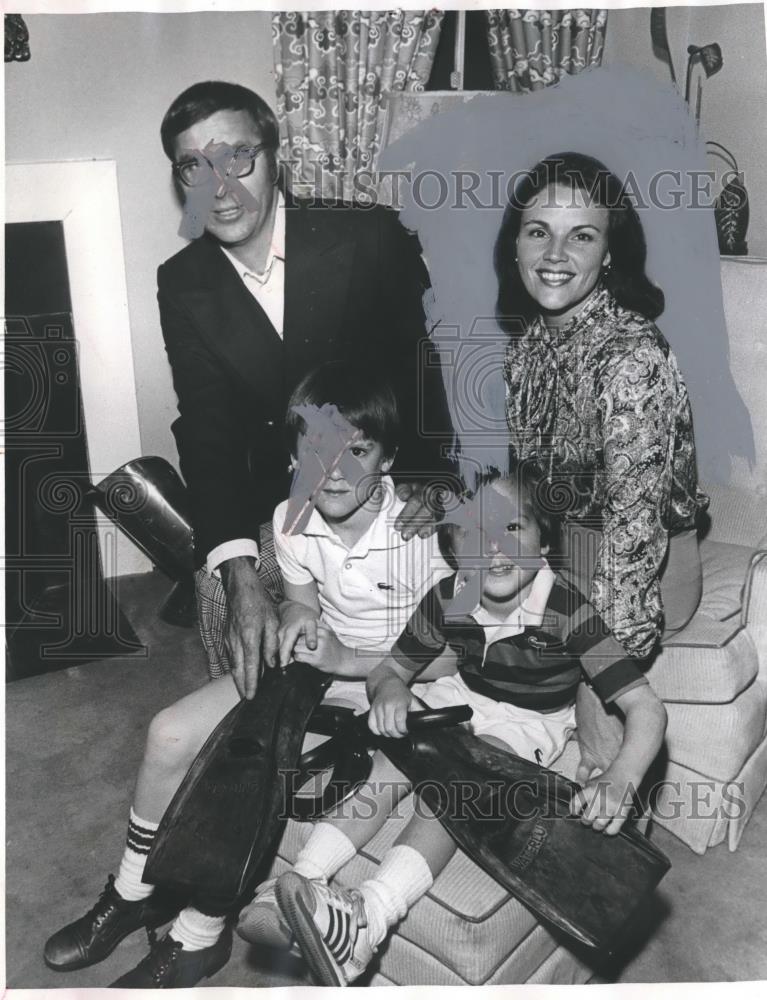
(97, 86)
(734, 107)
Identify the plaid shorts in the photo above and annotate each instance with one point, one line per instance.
(213, 609)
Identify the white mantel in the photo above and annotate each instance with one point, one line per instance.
(83, 194)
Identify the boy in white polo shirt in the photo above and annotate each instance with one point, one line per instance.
(351, 583)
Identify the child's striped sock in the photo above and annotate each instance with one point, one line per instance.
(141, 834)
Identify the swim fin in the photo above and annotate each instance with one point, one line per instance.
(233, 803)
(512, 817)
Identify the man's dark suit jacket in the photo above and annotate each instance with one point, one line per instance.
(354, 283)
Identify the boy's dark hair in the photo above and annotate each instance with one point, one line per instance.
(202, 100)
(542, 493)
(360, 395)
(543, 499)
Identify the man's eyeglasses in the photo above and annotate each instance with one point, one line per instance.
(197, 168)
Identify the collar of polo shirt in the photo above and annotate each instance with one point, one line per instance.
(378, 535)
(530, 613)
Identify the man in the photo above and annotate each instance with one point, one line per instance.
(273, 287)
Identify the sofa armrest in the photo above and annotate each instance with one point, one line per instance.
(755, 608)
(738, 517)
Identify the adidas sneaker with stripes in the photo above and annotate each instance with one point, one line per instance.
(330, 926)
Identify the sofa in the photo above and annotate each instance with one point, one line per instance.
(713, 676)
(713, 770)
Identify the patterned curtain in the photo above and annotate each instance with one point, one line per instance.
(332, 68)
(530, 49)
(16, 38)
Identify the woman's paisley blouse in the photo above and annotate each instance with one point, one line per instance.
(602, 405)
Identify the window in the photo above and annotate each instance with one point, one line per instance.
(477, 71)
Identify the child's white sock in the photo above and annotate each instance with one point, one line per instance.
(195, 930)
(141, 834)
(404, 876)
(326, 850)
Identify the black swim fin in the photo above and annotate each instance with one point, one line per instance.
(233, 803)
(513, 819)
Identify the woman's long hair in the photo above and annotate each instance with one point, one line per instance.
(626, 277)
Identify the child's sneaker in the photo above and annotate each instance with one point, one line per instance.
(262, 922)
(330, 928)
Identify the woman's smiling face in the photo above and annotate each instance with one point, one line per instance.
(561, 250)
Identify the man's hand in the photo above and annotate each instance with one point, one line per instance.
(417, 517)
(296, 621)
(605, 800)
(251, 634)
(388, 712)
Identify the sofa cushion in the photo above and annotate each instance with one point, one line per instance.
(404, 964)
(539, 955)
(708, 662)
(725, 570)
(713, 659)
(738, 516)
(467, 922)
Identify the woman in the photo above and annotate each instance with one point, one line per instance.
(594, 392)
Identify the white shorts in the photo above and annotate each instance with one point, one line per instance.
(349, 694)
(523, 730)
(352, 694)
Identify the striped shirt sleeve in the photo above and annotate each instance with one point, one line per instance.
(605, 662)
(423, 638)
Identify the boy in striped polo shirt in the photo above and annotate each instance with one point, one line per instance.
(521, 640)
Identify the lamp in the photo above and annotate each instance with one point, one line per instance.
(709, 57)
(731, 207)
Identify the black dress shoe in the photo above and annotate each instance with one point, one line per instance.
(168, 966)
(96, 935)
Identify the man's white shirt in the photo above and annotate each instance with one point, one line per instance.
(268, 289)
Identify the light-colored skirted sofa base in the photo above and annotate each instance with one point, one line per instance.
(712, 678)
(466, 931)
(414, 966)
(724, 807)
